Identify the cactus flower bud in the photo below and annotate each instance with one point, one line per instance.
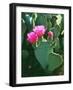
(50, 34)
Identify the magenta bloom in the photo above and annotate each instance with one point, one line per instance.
(50, 34)
(32, 37)
(39, 30)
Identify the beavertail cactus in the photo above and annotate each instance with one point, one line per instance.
(44, 50)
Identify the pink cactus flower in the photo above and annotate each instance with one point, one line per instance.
(32, 37)
(39, 30)
(50, 34)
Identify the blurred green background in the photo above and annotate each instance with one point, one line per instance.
(53, 22)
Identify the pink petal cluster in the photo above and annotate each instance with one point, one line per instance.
(39, 30)
(50, 34)
(32, 37)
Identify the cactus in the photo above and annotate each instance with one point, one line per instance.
(47, 58)
(43, 50)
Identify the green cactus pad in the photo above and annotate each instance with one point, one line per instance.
(54, 61)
